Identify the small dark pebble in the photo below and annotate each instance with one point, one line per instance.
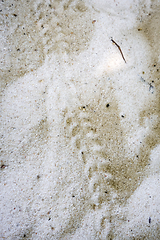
(107, 105)
(149, 219)
(3, 166)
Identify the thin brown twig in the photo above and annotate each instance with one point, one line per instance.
(119, 49)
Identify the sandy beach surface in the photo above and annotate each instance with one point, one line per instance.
(80, 119)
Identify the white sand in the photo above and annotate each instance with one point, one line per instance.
(80, 127)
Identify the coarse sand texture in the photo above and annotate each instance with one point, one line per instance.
(80, 120)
